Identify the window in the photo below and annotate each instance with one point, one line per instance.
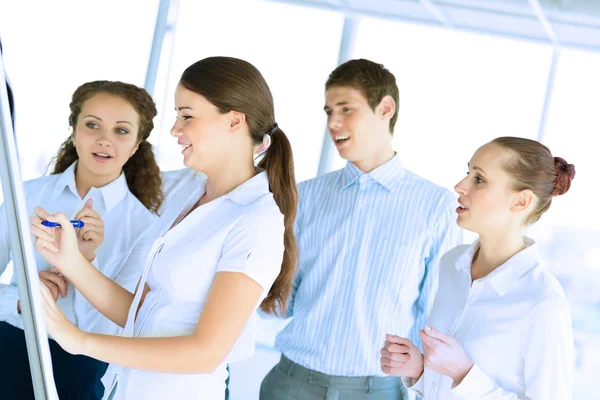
(569, 233)
(50, 52)
(457, 91)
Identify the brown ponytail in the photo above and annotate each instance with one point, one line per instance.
(278, 162)
(141, 170)
(233, 84)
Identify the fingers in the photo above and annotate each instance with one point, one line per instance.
(386, 362)
(41, 213)
(429, 341)
(394, 357)
(59, 272)
(93, 228)
(396, 348)
(46, 293)
(62, 220)
(88, 211)
(436, 334)
(37, 221)
(50, 307)
(91, 222)
(57, 280)
(394, 371)
(52, 288)
(40, 231)
(399, 340)
(42, 245)
(93, 233)
(426, 349)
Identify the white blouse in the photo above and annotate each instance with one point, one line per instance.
(514, 324)
(238, 232)
(127, 223)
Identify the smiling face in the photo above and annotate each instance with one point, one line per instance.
(360, 134)
(201, 129)
(488, 202)
(105, 137)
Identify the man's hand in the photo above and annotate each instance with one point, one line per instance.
(400, 357)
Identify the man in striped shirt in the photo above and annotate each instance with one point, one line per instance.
(370, 237)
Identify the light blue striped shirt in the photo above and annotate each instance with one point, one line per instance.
(370, 246)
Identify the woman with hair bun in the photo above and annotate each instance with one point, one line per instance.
(500, 327)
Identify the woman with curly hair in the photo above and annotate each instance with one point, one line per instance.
(105, 175)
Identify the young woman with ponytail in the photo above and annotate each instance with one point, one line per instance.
(105, 174)
(224, 246)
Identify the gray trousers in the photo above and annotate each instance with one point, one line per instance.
(290, 381)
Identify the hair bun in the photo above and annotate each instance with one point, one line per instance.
(565, 173)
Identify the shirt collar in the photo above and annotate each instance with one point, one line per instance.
(65, 180)
(112, 193)
(387, 174)
(251, 190)
(505, 276)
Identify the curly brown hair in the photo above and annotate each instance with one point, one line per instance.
(141, 170)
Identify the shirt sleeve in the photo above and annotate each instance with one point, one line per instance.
(9, 294)
(415, 385)
(548, 358)
(254, 247)
(445, 236)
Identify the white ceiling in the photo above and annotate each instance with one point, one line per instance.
(568, 23)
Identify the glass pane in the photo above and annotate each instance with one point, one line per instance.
(50, 52)
(457, 91)
(294, 60)
(570, 232)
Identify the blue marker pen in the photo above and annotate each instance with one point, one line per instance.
(75, 222)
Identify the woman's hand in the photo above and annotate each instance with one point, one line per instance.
(92, 234)
(55, 282)
(70, 338)
(400, 357)
(58, 246)
(444, 355)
